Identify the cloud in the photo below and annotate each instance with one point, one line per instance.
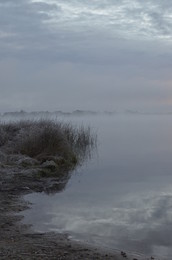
(123, 18)
(22, 24)
(83, 31)
(122, 49)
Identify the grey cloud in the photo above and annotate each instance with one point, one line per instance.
(161, 24)
(89, 35)
(63, 42)
(22, 20)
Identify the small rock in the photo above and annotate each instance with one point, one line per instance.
(123, 254)
(51, 165)
(26, 188)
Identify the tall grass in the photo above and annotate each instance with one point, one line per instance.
(46, 137)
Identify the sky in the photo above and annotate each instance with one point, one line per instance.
(89, 55)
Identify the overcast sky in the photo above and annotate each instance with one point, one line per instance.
(89, 54)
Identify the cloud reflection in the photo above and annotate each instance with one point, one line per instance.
(140, 224)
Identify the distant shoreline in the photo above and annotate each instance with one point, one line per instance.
(78, 113)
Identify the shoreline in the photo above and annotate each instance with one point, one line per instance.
(18, 241)
(40, 157)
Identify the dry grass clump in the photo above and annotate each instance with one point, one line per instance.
(81, 139)
(46, 137)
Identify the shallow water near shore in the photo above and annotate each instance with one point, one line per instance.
(122, 197)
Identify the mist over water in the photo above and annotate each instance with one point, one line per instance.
(122, 197)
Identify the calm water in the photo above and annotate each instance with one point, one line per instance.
(122, 197)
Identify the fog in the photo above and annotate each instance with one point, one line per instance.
(90, 58)
(68, 55)
(121, 198)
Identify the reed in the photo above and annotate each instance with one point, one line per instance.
(46, 137)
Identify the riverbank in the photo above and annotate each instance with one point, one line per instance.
(17, 241)
(25, 168)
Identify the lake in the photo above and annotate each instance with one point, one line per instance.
(122, 197)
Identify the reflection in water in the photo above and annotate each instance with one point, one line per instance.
(122, 200)
(136, 224)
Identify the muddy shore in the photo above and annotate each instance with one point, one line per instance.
(17, 241)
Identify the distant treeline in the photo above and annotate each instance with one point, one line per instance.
(47, 114)
(56, 113)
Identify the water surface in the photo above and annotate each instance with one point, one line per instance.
(122, 197)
